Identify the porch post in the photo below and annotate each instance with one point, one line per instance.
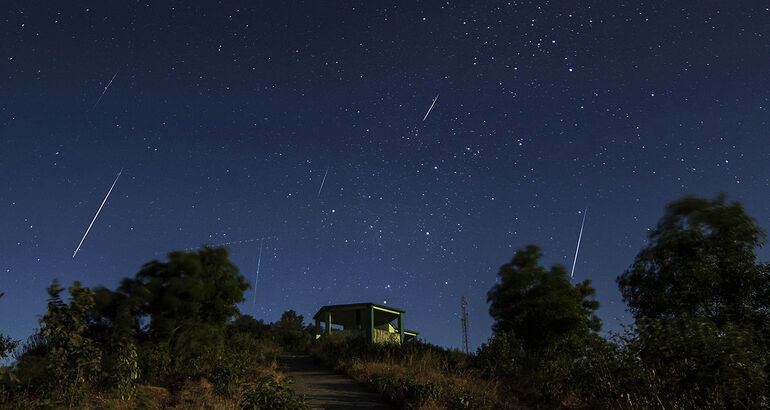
(401, 326)
(328, 322)
(371, 323)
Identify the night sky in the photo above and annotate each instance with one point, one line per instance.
(301, 123)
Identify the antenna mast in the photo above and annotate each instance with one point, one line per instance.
(464, 320)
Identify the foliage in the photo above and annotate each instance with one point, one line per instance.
(290, 321)
(250, 349)
(411, 375)
(718, 367)
(188, 301)
(419, 393)
(701, 261)
(6, 343)
(701, 305)
(268, 393)
(246, 324)
(72, 359)
(292, 333)
(171, 329)
(126, 371)
(114, 318)
(226, 374)
(154, 363)
(541, 307)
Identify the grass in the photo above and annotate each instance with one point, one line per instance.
(415, 375)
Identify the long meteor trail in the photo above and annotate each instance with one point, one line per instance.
(572, 274)
(431, 107)
(105, 90)
(97, 214)
(322, 182)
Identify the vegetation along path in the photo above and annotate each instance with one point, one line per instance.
(325, 389)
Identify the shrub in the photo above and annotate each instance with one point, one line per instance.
(296, 340)
(154, 362)
(226, 374)
(126, 371)
(465, 399)
(269, 393)
(73, 360)
(419, 394)
(412, 375)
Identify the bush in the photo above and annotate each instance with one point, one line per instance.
(226, 374)
(154, 362)
(500, 356)
(412, 375)
(384, 384)
(126, 371)
(268, 393)
(465, 399)
(419, 394)
(73, 360)
(296, 340)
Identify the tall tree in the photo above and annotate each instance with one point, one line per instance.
(700, 299)
(541, 306)
(189, 301)
(700, 261)
(191, 289)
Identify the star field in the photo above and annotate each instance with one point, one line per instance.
(226, 117)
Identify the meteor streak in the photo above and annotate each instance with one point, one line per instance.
(572, 274)
(322, 182)
(431, 107)
(97, 214)
(256, 278)
(105, 90)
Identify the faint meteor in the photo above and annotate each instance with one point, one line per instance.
(105, 90)
(256, 278)
(431, 107)
(572, 274)
(322, 182)
(97, 213)
(228, 244)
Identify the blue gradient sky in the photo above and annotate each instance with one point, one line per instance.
(226, 116)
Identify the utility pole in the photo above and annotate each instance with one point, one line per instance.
(465, 343)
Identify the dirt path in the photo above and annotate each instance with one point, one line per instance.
(328, 390)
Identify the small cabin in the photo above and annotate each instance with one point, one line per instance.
(379, 324)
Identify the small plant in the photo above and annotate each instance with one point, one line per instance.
(226, 374)
(418, 394)
(463, 399)
(127, 371)
(269, 393)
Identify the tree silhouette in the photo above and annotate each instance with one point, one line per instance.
(701, 261)
(188, 301)
(73, 358)
(540, 306)
(700, 299)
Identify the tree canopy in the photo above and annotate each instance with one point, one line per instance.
(700, 299)
(540, 306)
(700, 261)
(188, 302)
(193, 290)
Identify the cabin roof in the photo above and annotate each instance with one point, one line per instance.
(354, 306)
(346, 315)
